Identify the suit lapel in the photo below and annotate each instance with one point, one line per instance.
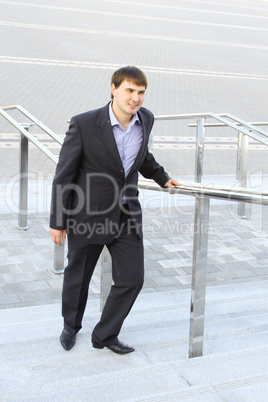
(106, 135)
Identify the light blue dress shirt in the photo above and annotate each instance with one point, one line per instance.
(128, 141)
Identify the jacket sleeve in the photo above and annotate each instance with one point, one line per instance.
(151, 169)
(63, 183)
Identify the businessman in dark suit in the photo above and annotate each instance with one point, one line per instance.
(95, 200)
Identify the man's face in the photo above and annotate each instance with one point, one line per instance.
(128, 98)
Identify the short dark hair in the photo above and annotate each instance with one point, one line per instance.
(129, 73)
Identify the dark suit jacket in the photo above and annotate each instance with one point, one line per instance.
(90, 181)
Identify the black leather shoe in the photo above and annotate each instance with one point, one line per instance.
(118, 347)
(67, 340)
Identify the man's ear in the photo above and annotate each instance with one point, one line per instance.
(113, 88)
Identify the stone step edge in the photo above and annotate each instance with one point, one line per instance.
(205, 390)
(164, 294)
(154, 344)
(181, 340)
(247, 312)
(105, 378)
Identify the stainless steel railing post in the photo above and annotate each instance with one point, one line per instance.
(199, 150)
(106, 276)
(23, 181)
(242, 168)
(58, 258)
(238, 154)
(199, 273)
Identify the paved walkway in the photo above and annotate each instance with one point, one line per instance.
(237, 249)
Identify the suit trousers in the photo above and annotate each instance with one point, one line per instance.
(127, 254)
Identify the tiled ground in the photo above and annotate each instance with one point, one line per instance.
(237, 253)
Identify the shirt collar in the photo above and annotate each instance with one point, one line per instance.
(114, 120)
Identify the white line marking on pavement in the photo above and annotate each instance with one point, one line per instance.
(132, 35)
(235, 5)
(159, 6)
(132, 16)
(205, 11)
(109, 66)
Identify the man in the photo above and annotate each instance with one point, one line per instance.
(95, 199)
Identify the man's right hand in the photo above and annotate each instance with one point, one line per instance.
(56, 235)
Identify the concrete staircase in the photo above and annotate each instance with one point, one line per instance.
(34, 367)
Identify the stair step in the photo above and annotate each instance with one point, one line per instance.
(104, 376)
(34, 367)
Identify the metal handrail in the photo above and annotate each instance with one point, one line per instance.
(23, 182)
(183, 116)
(35, 120)
(211, 191)
(242, 129)
(26, 134)
(202, 194)
(245, 124)
(255, 123)
(245, 131)
(219, 117)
